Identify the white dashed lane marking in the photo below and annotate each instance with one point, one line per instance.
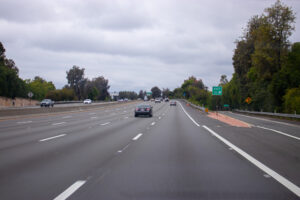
(66, 117)
(70, 190)
(24, 122)
(59, 123)
(137, 136)
(51, 138)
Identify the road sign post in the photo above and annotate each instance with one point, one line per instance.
(217, 91)
(30, 95)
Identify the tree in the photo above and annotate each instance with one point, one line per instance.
(292, 101)
(93, 93)
(166, 93)
(189, 83)
(156, 92)
(75, 77)
(39, 87)
(10, 84)
(260, 58)
(178, 93)
(128, 95)
(102, 86)
(64, 94)
(141, 94)
(223, 80)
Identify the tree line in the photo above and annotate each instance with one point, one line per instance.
(266, 68)
(266, 64)
(78, 87)
(266, 73)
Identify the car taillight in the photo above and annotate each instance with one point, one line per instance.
(148, 109)
(136, 109)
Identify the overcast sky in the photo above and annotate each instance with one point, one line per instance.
(135, 44)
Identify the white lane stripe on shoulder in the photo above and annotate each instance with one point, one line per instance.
(285, 182)
(282, 133)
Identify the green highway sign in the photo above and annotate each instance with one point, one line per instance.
(149, 93)
(217, 90)
(226, 106)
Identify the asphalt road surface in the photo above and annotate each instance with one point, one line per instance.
(179, 153)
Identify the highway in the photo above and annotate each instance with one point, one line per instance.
(179, 153)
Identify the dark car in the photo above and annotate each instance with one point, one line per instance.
(173, 103)
(47, 103)
(143, 109)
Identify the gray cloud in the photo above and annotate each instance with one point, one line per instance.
(135, 44)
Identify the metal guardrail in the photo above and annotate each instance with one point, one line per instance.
(195, 106)
(269, 114)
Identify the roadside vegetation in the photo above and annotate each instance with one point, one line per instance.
(266, 71)
(266, 68)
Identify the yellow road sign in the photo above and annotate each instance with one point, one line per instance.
(248, 100)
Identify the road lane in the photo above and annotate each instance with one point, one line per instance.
(171, 158)
(42, 127)
(176, 159)
(53, 165)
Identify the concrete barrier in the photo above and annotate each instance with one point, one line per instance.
(29, 111)
(17, 102)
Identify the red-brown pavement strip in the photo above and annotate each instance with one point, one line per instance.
(228, 120)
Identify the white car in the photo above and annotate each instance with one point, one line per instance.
(87, 101)
(157, 100)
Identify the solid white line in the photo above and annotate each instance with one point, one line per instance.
(188, 115)
(58, 123)
(50, 138)
(94, 117)
(288, 184)
(125, 117)
(268, 120)
(68, 192)
(24, 122)
(137, 137)
(105, 124)
(152, 124)
(282, 133)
